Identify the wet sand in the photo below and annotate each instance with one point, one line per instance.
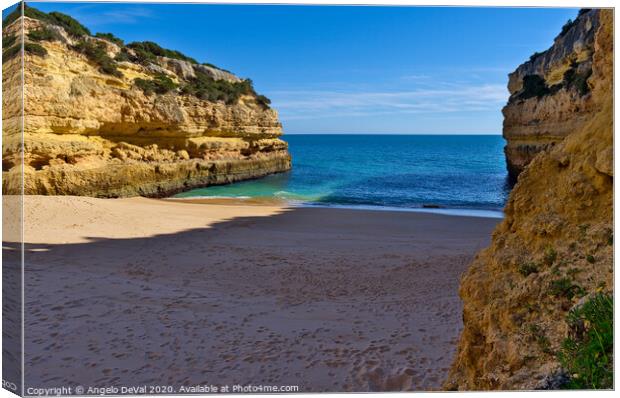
(125, 292)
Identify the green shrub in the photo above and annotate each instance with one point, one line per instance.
(263, 101)
(8, 41)
(536, 55)
(28, 11)
(96, 52)
(538, 335)
(587, 355)
(147, 51)
(43, 34)
(563, 287)
(566, 27)
(205, 87)
(533, 86)
(35, 49)
(122, 56)
(161, 84)
(577, 80)
(111, 38)
(141, 56)
(71, 26)
(550, 255)
(31, 48)
(11, 52)
(528, 268)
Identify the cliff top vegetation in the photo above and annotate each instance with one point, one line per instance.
(144, 53)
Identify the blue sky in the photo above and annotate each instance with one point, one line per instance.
(337, 69)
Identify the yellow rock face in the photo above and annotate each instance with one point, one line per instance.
(537, 123)
(558, 218)
(89, 133)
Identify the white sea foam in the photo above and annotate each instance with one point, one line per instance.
(296, 201)
(448, 212)
(209, 197)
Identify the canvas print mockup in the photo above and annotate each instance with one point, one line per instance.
(213, 198)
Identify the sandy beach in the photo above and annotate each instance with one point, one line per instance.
(143, 291)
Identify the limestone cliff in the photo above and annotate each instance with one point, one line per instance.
(550, 93)
(102, 118)
(554, 248)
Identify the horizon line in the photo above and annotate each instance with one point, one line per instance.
(438, 134)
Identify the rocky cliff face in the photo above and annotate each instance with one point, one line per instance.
(106, 119)
(554, 248)
(550, 94)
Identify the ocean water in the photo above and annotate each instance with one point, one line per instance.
(455, 173)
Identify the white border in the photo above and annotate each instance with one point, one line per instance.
(487, 3)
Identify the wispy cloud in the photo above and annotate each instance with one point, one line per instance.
(415, 77)
(312, 104)
(125, 15)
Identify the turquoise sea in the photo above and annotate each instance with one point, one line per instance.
(455, 174)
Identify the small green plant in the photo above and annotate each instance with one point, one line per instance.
(161, 84)
(528, 268)
(43, 34)
(123, 56)
(544, 344)
(610, 236)
(35, 49)
(534, 329)
(8, 41)
(532, 307)
(96, 52)
(263, 101)
(550, 255)
(536, 55)
(533, 86)
(587, 355)
(11, 52)
(147, 51)
(577, 80)
(590, 258)
(569, 24)
(563, 287)
(111, 38)
(538, 335)
(30, 48)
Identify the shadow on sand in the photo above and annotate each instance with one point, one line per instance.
(328, 300)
